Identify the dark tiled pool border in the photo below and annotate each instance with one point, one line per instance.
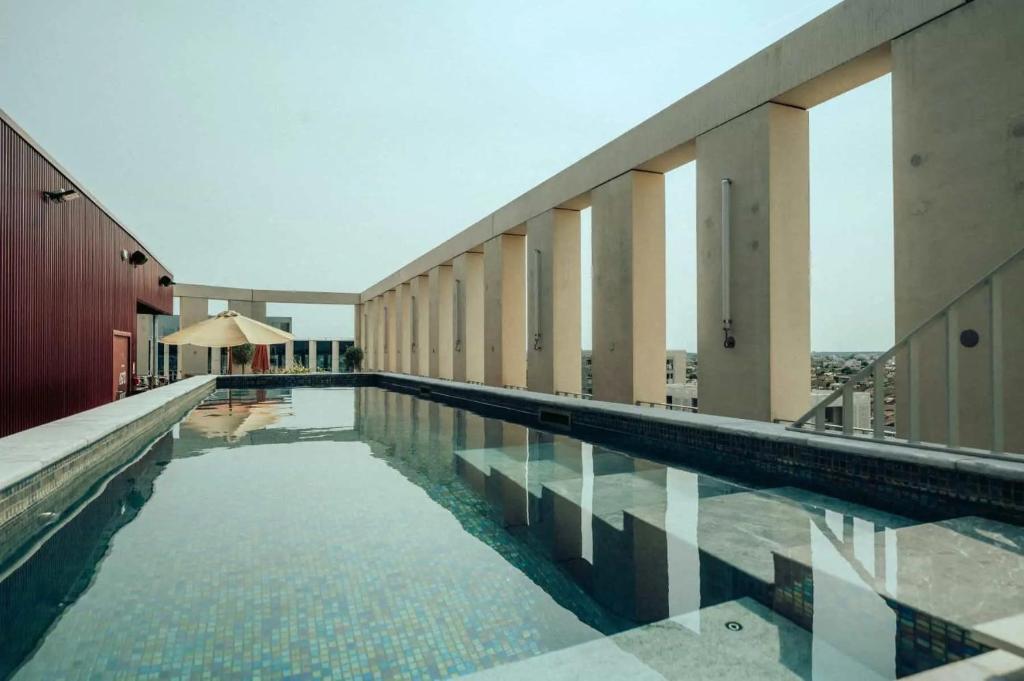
(905, 480)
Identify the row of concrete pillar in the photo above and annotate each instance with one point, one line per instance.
(958, 183)
(509, 313)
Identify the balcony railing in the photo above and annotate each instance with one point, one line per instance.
(666, 405)
(907, 352)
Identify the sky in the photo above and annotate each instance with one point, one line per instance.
(324, 144)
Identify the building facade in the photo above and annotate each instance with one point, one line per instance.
(72, 280)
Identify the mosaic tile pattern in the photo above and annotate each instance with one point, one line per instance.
(279, 561)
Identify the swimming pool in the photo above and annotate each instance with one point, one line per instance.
(363, 533)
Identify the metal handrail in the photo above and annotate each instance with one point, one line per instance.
(909, 342)
(666, 405)
(581, 396)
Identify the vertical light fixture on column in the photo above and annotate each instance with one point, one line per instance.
(414, 334)
(535, 294)
(457, 315)
(730, 341)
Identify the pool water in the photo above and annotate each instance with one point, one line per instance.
(365, 534)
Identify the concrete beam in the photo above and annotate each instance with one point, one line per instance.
(831, 54)
(265, 296)
(628, 251)
(766, 375)
(505, 310)
(553, 300)
(468, 311)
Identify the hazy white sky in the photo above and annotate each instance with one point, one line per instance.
(323, 144)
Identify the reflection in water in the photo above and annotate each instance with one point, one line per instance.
(854, 628)
(682, 557)
(317, 530)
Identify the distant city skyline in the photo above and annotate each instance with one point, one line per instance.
(250, 145)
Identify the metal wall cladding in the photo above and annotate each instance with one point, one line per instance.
(64, 290)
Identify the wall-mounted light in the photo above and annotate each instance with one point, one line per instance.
(138, 258)
(61, 196)
(166, 281)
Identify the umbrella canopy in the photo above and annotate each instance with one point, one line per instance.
(227, 330)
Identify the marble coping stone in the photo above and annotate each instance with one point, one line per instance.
(612, 494)
(738, 639)
(745, 529)
(29, 451)
(964, 571)
(906, 479)
(997, 665)
(1006, 633)
(720, 424)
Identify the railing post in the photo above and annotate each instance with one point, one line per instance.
(878, 416)
(952, 380)
(913, 405)
(819, 418)
(996, 334)
(848, 408)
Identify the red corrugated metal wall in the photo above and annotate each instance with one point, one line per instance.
(64, 290)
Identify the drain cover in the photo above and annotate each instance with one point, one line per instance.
(733, 626)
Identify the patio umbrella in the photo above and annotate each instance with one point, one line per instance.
(227, 330)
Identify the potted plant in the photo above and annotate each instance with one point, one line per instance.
(242, 354)
(353, 358)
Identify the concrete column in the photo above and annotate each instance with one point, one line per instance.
(335, 356)
(192, 359)
(958, 194)
(357, 326)
(311, 362)
(405, 332)
(167, 363)
(553, 302)
(259, 311)
(371, 333)
(628, 312)
(289, 354)
(382, 363)
(242, 307)
(391, 305)
(143, 334)
(420, 325)
(440, 320)
(767, 374)
(468, 346)
(215, 367)
(505, 310)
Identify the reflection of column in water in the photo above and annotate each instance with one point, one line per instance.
(587, 503)
(891, 563)
(854, 630)
(864, 544)
(682, 553)
(526, 480)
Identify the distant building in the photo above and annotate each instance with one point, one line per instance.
(675, 368)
